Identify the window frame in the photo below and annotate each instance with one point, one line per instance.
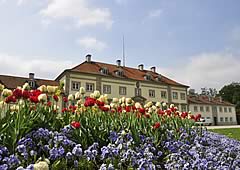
(120, 92)
(74, 83)
(165, 94)
(88, 84)
(195, 108)
(183, 96)
(151, 93)
(107, 89)
(201, 108)
(176, 97)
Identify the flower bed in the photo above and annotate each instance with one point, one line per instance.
(90, 133)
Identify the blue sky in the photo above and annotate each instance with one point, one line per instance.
(193, 42)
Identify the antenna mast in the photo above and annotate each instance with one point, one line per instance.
(123, 52)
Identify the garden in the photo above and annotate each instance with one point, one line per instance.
(93, 133)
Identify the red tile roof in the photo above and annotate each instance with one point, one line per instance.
(129, 73)
(12, 82)
(201, 99)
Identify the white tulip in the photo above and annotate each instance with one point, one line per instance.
(138, 105)
(6, 92)
(128, 101)
(158, 104)
(42, 97)
(149, 104)
(43, 88)
(1, 87)
(77, 95)
(82, 90)
(164, 104)
(70, 97)
(171, 105)
(115, 100)
(26, 86)
(96, 94)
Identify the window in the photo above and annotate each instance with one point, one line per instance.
(201, 109)
(151, 93)
(226, 119)
(119, 73)
(147, 77)
(31, 84)
(104, 71)
(231, 119)
(175, 95)
(195, 108)
(107, 89)
(89, 87)
(183, 96)
(122, 90)
(225, 109)
(184, 108)
(221, 119)
(75, 85)
(163, 94)
(230, 109)
(138, 92)
(207, 108)
(220, 109)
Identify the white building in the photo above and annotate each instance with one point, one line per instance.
(215, 111)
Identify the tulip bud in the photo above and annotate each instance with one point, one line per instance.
(158, 104)
(138, 105)
(96, 94)
(1, 87)
(26, 86)
(42, 165)
(77, 95)
(70, 97)
(82, 90)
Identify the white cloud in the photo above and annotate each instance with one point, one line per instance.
(207, 70)
(78, 10)
(91, 43)
(42, 67)
(155, 13)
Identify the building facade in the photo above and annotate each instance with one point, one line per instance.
(215, 111)
(116, 80)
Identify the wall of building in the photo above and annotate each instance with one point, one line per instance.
(223, 118)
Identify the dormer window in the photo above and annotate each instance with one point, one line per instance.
(119, 73)
(147, 77)
(159, 77)
(104, 71)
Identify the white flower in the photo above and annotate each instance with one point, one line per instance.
(42, 165)
(149, 104)
(2, 104)
(138, 105)
(42, 97)
(115, 100)
(123, 132)
(26, 86)
(164, 104)
(79, 102)
(70, 97)
(43, 88)
(128, 101)
(1, 87)
(107, 106)
(14, 108)
(82, 90)
(171, 105)
(77, 95)
(52, 89)
(154, 108)
(158, 104)
(6, 92)
(113, 105)
(92, 95)
(96, 94)
(123, 99)
(123, 105)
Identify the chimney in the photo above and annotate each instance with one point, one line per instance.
(118, 63)
(153, 69)
(140, 67)
(88, 58)
(31, 76)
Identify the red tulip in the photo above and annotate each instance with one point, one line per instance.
(156, 125)
(76, 125)
(55, 97)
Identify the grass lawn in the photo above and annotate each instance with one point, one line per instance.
(231, 132)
